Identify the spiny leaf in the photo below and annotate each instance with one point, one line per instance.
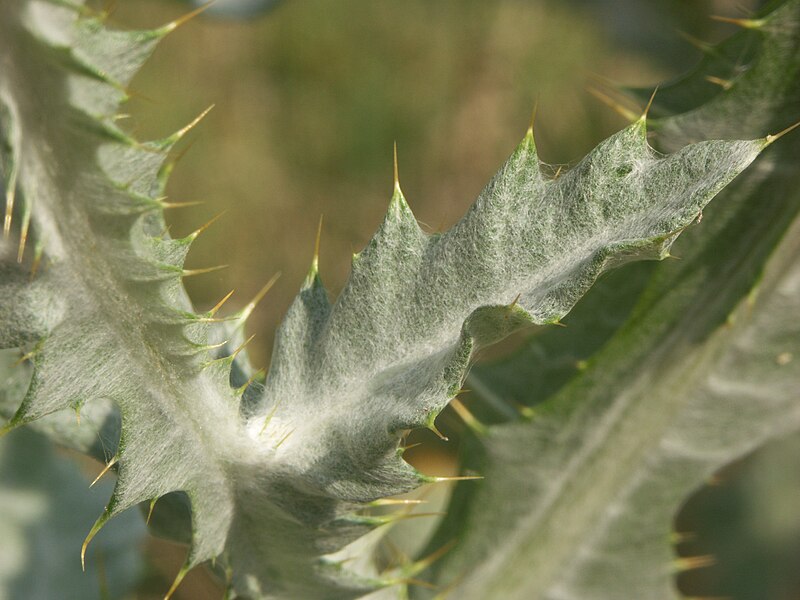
(278, 479)
(696, 378)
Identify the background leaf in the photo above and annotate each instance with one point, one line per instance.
(46, 508)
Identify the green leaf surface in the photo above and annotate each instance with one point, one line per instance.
(704, 371)
(279, 475)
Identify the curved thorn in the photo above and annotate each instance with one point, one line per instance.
(432, 427)
(409, 447)
(11, 191)
(37, 258)
(396, 170)
(283, 439)
(258, 297)
(404, 516)
(689, 563)
(643, 118)
(423, 563)
(208, 347)
(243, 388)
(202, 228)
(27, 356)
(613, 104)
(235, 353)
(469, 419)
(219, 304)
(269, 416)
(678, 537)
(704, 47)
(170, 27)
(23, 235)
(110, 464)
(178, 579)
(723, 83)
(395, 501)
(456, 478)
(319, 236)
(771, 138)
(187, 128)
(191, 272)
(315, 259)
(150, 511)
(168, 205)
(98, 525)
(532, 124)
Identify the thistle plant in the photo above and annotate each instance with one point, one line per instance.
(282, 472)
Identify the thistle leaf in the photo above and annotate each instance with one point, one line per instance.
(701, 374)
(278, 479)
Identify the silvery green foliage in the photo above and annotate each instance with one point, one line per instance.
(279, 476)
(704, 370)
(46, 507)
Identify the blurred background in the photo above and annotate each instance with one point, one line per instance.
(309, 97)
